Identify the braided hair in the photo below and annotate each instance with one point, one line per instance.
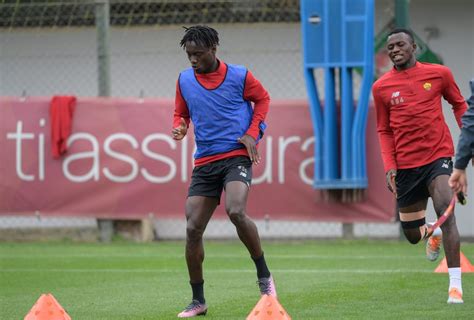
(201, 35)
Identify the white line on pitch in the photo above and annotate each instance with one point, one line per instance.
(160, 256)
(282, 271)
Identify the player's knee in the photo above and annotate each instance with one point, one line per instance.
(193, 233)
(236, 214)
(440, 208)
(449, 224)
(414, 230)
(413, 236)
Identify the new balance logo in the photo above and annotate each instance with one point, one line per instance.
(396, 99)
(445, 165)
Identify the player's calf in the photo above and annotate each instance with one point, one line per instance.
(417, 230)
(414, 225)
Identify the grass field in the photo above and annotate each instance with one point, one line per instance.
(315, 280)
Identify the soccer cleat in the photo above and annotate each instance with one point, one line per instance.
(433, 246)
(267, 286)
(195, 308)
(455, 296)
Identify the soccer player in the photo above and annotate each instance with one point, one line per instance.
(417, 146)
(217, 97)
(465, 149)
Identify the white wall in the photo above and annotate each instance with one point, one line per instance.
(143, 59)
(53, 61)
(48, 62)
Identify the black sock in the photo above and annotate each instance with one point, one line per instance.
(262, 269)
(198, 291)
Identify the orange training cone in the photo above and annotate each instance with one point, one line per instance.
(47, 308)
(268, 308)
(466, 265)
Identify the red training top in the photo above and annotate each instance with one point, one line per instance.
(254, 92)
(410, 122)
(61, 112)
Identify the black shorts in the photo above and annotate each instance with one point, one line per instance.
(210, 179)
(412, 184)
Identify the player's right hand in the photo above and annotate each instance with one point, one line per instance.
(180, 131)
(249, 143)
(391, 175)
(458, 181)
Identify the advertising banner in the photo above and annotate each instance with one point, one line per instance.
(121, 162)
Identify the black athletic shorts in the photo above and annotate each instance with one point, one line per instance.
(412, 184)
(210, 179)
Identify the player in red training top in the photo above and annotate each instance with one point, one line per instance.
(217, 98)
(417, 146)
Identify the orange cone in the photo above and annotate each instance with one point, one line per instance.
(47, 308)
(466, 265)
(268, 308)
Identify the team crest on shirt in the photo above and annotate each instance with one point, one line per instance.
(396, 98)
(427, 86)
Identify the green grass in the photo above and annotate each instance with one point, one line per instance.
(315, 280)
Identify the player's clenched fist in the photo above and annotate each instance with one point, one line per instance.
(180, 131)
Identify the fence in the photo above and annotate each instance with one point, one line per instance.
(49, 47)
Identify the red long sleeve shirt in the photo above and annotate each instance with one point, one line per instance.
(253, 91)
(410, 122)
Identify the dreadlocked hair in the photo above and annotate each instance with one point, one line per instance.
(201, 35)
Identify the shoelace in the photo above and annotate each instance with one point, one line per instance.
(264, 286)
(435, 242)
(193, 305)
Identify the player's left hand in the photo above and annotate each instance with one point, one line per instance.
(251, 146)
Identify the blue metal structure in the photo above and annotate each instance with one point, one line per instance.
(338, 36)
